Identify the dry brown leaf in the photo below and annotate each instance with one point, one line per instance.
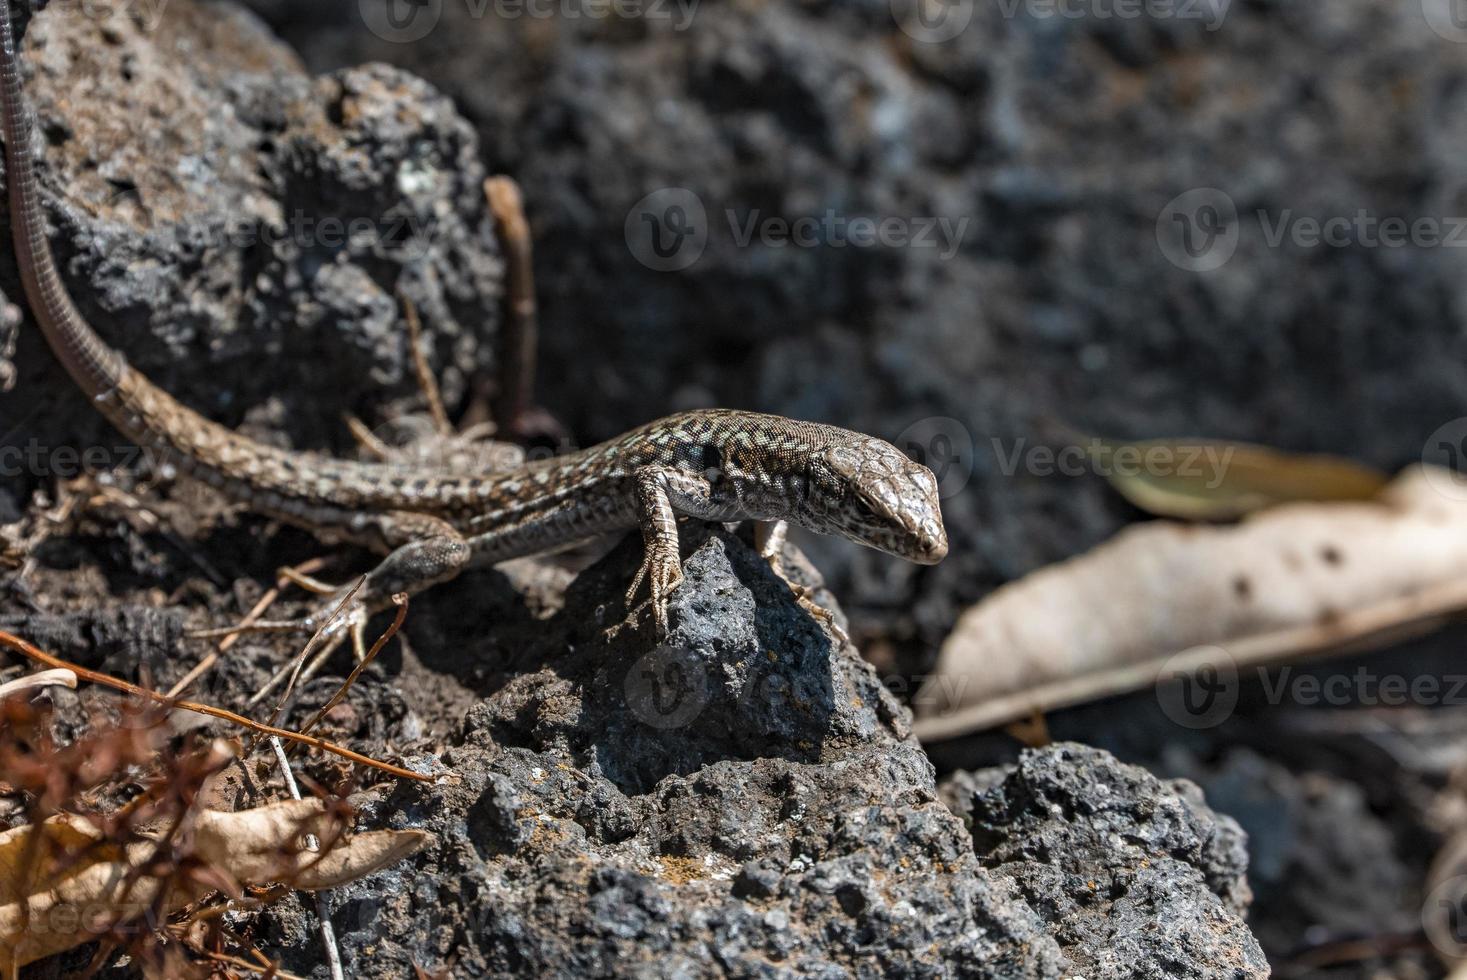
(75, 892)
(1294, 579)
(1221, 481)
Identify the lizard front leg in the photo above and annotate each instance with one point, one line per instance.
(769, 539)
(662, 566)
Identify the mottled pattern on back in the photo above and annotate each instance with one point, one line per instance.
(749, 465)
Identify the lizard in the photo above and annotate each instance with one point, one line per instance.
(431, 523)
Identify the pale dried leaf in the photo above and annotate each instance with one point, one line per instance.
(1299, 578)
(1219, 481)
(265, 844)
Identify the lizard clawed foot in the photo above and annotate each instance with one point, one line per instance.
(663, 573)
(805, 596)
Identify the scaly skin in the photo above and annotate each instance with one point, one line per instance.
(713, 465)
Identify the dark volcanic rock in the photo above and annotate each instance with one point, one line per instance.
(744, 800)
(1134, 877)
(217, 210)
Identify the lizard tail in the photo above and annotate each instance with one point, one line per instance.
(96, 367)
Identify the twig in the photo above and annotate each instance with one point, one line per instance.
(266, 601)
(328, 934)
(401, 600)
(426, 381)
(27, 650)
(368, 439)
(517, 375)
(292, 670)
(272, 971)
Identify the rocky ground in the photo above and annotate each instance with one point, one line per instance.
(212, 176)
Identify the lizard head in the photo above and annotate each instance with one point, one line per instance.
(869, 491)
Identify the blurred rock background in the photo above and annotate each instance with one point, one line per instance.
(1056, 134)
